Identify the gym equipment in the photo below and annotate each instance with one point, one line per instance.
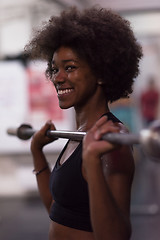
(149, 138)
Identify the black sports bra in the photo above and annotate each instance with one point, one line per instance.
(70, 190)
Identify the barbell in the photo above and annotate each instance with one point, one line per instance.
(148, 138)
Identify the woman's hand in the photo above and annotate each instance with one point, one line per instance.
(93, 146)
(40, 139)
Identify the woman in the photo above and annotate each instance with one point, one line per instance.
(92, 58)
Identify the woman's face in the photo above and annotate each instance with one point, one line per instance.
(73, 79)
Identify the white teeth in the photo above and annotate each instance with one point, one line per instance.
(60, 92)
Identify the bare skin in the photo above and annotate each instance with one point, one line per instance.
(108, 169)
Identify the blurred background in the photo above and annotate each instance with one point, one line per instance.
(27, 97)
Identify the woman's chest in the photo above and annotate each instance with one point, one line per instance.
(69, 150)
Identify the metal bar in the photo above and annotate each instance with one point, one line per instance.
(118, 138)
(76, 136)
(148, 138)
(122, 138)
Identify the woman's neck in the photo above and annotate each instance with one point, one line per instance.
(88, 113)
(86, 119)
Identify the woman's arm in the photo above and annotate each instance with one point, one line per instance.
(109, 178)
(39, 140)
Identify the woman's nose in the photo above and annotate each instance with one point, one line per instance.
(59, 76)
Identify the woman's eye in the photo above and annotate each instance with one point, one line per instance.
(54, 70)
(70, 68)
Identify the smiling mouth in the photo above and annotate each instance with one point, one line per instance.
(64, 91)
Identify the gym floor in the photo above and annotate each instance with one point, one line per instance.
(26, 218)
